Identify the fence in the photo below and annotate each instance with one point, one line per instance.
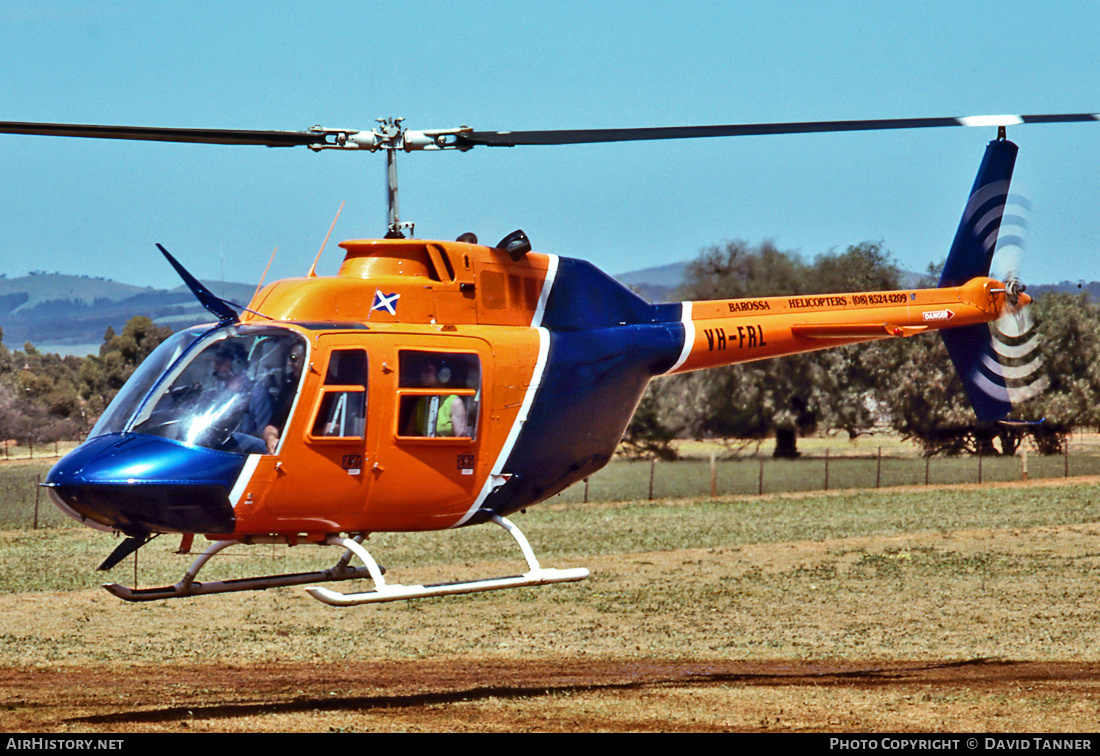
(24, 504)
(9, 451)
(624, 480)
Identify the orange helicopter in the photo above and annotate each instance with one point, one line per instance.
(439, 384)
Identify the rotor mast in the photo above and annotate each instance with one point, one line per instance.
(390, 136)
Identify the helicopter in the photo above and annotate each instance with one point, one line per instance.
(432, 384)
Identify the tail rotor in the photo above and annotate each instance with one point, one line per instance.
(1007, 261)
(998, 363)
(1014, 353)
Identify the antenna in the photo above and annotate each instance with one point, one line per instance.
(261, 283)
(313, 270)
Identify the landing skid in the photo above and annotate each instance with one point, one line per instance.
(384, 591)
(190, 587)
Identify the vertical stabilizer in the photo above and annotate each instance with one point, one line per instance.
(970, 257)
(972, 251)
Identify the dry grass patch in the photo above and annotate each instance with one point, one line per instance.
(894, 611)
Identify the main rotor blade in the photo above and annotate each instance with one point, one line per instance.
(587, 136)
(158, 134)
(319, 138)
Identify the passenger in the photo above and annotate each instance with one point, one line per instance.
(439, 415)
(236, 404)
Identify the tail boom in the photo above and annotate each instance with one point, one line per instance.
(726, 332)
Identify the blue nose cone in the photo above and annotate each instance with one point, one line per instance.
(141, 484)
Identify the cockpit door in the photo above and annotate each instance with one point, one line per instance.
(321, 473)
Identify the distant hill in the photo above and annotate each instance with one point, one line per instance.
(70, 314)
(661, 283)
(657, 284)
(1066, 287)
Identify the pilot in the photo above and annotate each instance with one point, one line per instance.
(227, 355)
(438, 415)
(236, 403)
(280, 406)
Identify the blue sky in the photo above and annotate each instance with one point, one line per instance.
(97, 208)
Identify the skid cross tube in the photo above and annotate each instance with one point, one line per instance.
(383, 591)
(189, 587)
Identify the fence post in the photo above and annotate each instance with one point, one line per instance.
(37, 489)
(713, 476)
(652, 470)
(586, 490)
(878, 469)
(760, 487)
(826, 468)
(1065, 456)
(1024, 450)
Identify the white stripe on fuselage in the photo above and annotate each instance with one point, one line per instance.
(544, 295)
(689, 336)
(494, 480)
(243, 479)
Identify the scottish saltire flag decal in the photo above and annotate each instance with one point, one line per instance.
(387, 302)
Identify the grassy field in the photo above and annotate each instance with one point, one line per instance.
(65, 557)
(827, 464)
(686, 594)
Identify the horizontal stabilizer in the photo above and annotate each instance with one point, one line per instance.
(854, 330)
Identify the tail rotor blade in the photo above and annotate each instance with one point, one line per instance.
(999, 363)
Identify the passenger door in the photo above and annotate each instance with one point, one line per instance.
(429, 447)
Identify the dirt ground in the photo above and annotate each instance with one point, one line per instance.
(567, 695)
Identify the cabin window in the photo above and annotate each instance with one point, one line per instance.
(342, 411)
(438, 394)
(232, 392)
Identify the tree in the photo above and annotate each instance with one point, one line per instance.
(39, 401)
(924, 398)
(46, 397)
(651, 432)
(788, 396)
(1069, 335)
(102, 375)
